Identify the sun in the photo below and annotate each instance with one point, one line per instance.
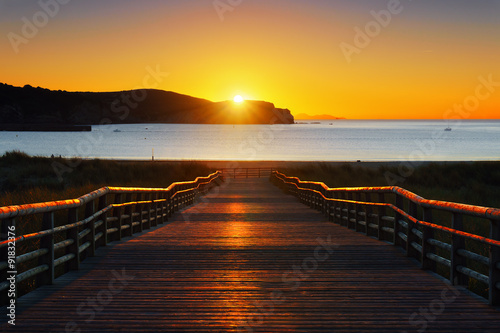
(238, 99)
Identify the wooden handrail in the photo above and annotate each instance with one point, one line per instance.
(406, 229)
(247, 172)
(133, 210)
(448, 206)
(36, 208)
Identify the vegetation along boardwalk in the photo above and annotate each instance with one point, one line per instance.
(250, 258)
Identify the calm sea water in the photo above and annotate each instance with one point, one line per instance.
(338, 140)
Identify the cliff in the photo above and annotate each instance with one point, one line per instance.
(30, 105)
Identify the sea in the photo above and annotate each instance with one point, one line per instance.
(306, 140)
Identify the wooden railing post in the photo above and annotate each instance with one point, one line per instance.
(410, 236)
(117, 214)
(172, 201)
(350, 216)
(89, 211)
(73, 264)
(166, 206)
(340, 208)
(163, 206)
(318, 200)
(326, 204)
(139, 210)
(47, 242)
(147, 207)
(457, 243)
(333, 207)
(102, 204)
(344, 220)
(309, 196)
(357, 225)
(175, 201)
(367, 209)
(397, 218)
(180, 198)
(129, 211)
(494, 274)
(427, 233)
(154, 209)
(381, 212)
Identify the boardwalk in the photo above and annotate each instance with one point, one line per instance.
(251, 259)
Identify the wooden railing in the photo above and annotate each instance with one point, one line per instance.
(71, 230)
(247, 172)
(418, 226)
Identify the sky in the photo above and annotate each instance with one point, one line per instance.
(366, 59)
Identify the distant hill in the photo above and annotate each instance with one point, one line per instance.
(30, 105)
(317, 117)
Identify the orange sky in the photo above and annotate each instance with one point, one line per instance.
(424, 61)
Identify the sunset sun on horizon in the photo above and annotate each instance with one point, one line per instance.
(238, 99)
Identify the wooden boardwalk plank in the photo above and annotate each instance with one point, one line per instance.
(249, 259)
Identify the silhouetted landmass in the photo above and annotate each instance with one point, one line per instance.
(316, 117)
(45, 127)
(35, 106)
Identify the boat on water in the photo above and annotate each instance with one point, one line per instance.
(447, 129)
(116, 130)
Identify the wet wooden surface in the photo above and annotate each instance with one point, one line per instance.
(248, 258)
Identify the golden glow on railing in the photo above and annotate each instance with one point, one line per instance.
(486, 212)
(36, 208)
(436, 204)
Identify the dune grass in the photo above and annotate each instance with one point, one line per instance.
(25, 179)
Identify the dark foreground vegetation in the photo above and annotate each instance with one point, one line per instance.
(26, 179)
